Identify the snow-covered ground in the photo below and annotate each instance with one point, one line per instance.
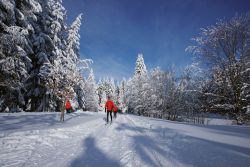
(39, 139)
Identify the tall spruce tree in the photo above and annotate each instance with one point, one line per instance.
(15, 50)
(90, 90)
(139, 89)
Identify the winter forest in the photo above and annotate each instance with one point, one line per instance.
(41, 67)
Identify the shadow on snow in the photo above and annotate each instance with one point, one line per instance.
(92, 156)
(35, 120)
(178, 148)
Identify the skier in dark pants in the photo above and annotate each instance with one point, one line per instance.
(109, 106)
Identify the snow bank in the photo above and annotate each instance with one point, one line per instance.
(216, 121)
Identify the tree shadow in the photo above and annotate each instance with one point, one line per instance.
(92, 156)
(35, 121)
(70, 116)
(123, 126)
(207, 153)
(29, 121)
(178, 148)
(239, 131)
(145, 146)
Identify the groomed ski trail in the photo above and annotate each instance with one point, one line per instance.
(84, 140)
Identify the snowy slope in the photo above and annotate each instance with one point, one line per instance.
(38, 139)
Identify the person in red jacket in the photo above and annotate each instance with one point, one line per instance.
(68, 106)
(109, 106)
(115, 111)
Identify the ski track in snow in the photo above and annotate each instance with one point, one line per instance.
(84, 140)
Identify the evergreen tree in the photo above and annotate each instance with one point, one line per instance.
(42, 58)
(37, 56)
(55, 94)
(158, 84)
(14, 53)
(90, 92)
(99, 92)
(121, 97)
(140, 68)
(67, 71)
(139, 89)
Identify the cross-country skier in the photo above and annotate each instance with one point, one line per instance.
(109, 106)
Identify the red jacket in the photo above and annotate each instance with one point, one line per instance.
(68, 105)
(115, 109)
(109, 105)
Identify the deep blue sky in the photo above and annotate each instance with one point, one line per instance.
(113, 32)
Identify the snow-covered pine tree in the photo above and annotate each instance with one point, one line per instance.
(42, 57)
(14, 53)
(103, 92)
(108, 85)
(91, 98)
(139, 89)
(54, 83)
(106, 88)
(83, 66)
(99, 91)
(140, 68)
(129, 96)
(158, 84)
(73, 43)
(103, 99)
(171, 97)
(112, 88)
(72, 57)
(117, 95)
(121, 97)
(32, 53)
(71, 68)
